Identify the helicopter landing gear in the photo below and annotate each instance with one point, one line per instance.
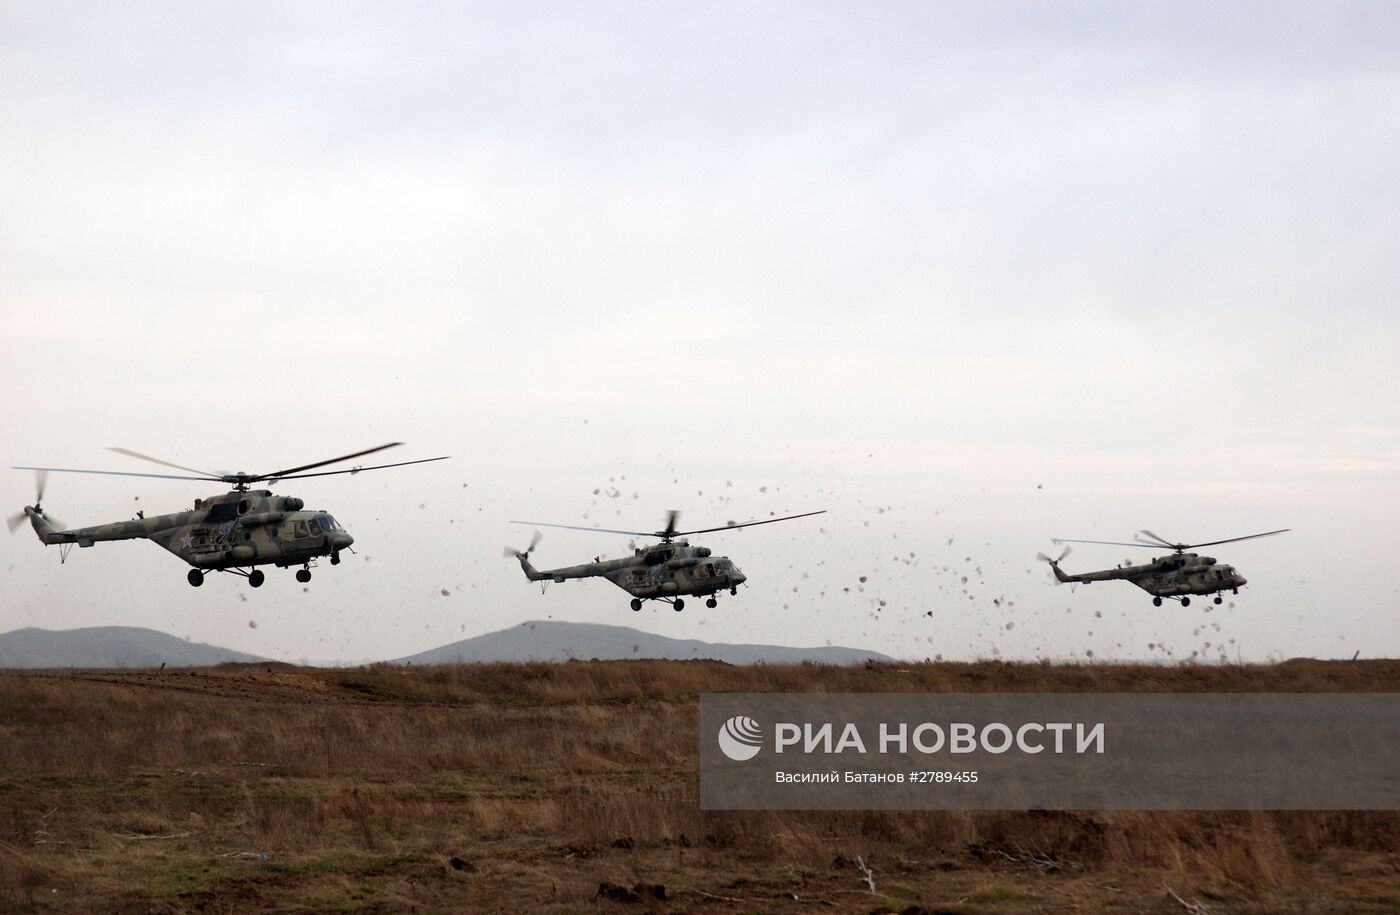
(335, 558)
(711, 603)
(678, 605)
(734, 591)
(255, 578)
(303, 575)
(636, 604)
(1219, 599)
(195, 578)
(1186, 602)
(1156, 602)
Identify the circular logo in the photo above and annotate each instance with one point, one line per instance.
(740, 738)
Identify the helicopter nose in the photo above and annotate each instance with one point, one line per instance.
(1241, 581)
(341, 540)
(737, 578)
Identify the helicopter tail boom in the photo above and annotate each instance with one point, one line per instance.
(48, 534)
(532, 573)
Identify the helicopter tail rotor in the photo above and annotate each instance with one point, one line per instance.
(532, 573)
(43, 523)
(1059, 559)
(1055, 563)
(511, 552)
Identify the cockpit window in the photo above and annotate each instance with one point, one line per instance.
(327, 523)
(315, 527)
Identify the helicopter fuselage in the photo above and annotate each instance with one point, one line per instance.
(238, 529)
(1177, 575)
(663, 571)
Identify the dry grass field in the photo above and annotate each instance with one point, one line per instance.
(572, 787)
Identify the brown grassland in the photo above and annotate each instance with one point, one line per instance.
(573, 787)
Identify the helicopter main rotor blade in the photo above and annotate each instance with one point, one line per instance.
(331, 473)
(1165, 542)
(1150, 546)
(284, 474)
(730, 527)
(145, 457)
(120, 473)
(596, 530)
(1234, 539)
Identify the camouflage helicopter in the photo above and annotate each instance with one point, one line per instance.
(232, 532)
(665, 571)
(1175, 576)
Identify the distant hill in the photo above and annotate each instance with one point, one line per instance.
(551, 640)
(108, 646)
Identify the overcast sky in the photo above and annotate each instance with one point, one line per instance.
(967, 276)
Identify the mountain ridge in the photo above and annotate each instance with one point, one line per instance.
(557, 640)
(107, 647)
(533, 640)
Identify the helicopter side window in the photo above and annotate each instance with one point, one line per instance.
(315, 527)
(218, 514)
(301, 529)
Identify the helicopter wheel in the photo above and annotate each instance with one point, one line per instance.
(712, 603)
(1220, 600)
(195, 578)
(1156, 602)
(636, 604)
(678, 605)
(335, 558)
(1186, 602)
(303, 575)
(255, 578)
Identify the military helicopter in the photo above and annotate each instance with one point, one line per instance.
(665, 571)
(1174, 577)
(232, 532)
